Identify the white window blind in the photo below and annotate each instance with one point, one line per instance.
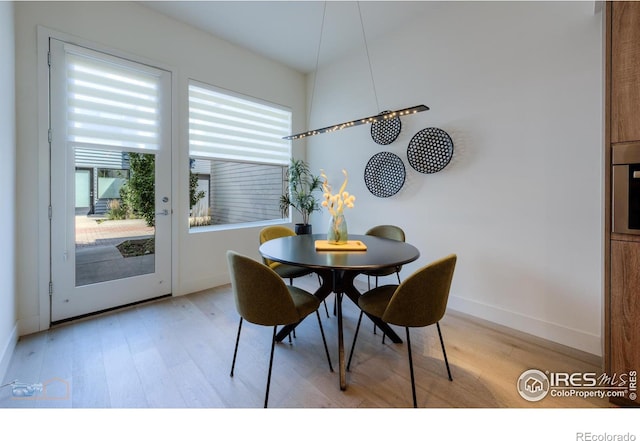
(110, 105)
(230, 127)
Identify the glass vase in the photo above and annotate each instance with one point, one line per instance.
(337, 234)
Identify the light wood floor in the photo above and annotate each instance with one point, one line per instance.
(176, 353)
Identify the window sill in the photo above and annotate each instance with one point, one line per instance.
(239, 226)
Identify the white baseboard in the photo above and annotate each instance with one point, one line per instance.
(572, 338)
(30, 325)
(7, 351)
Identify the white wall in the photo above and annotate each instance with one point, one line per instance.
(8, 317)
(518, 86)
(199, 259)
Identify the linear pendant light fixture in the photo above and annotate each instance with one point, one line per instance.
(357, 122)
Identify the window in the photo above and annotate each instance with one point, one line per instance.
(238, 157)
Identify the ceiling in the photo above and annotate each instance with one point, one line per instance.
(289, 31)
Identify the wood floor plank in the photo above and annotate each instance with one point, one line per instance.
(90, 388)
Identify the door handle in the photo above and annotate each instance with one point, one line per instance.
(164, 212)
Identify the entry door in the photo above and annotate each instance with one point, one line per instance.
(111, 117)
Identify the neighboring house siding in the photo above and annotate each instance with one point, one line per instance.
(89, 158)
(101, 159)
(245, 192)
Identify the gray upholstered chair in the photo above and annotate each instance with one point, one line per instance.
(285, 271)
(421, 300)
(262, 297)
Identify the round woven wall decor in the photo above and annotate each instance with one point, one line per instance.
(430, 150)
(384, 174)
(386, 131)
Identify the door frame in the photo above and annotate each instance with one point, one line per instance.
(43, 321)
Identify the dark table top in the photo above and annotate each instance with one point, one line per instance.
(300, 250)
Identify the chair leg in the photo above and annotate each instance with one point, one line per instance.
(325, 300)
(355, 337)
(235, 351)
(374, 325)
(324, 340)
(273, 345)
(446, 362)
(413, 381)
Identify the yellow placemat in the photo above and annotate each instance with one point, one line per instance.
(351, 245)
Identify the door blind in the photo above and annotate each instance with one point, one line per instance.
(110, 105)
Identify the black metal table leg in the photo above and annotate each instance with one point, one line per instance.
(341, 362)
(353, 294)
(321, 293)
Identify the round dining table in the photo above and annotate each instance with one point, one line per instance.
(338, 267)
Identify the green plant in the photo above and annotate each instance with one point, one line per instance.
(116, 210)
(138, 194)
(302, 184)
(194, 194)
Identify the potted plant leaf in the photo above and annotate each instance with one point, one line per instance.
(302, 185)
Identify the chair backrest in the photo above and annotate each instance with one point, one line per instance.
(260, 294)
(421, 300)
(274, 232)
(388, 232)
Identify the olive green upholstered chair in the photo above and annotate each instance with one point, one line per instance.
(262, 297)
(388, 232)
(392, 232)
(421, 300)
(285, 271)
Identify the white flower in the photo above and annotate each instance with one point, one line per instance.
(335, 203)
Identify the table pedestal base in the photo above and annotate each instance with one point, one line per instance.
(341, 283)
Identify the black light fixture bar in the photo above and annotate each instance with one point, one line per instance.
(358, 122)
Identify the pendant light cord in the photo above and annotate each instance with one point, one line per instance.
(366, 48)
(315, 72)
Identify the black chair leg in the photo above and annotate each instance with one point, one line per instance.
(355, 337)
(273, 345)
(235, 351)
(413, 381)
(444, 352)
(324, 340)
(325, 300)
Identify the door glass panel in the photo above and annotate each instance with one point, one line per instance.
(118, 239)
